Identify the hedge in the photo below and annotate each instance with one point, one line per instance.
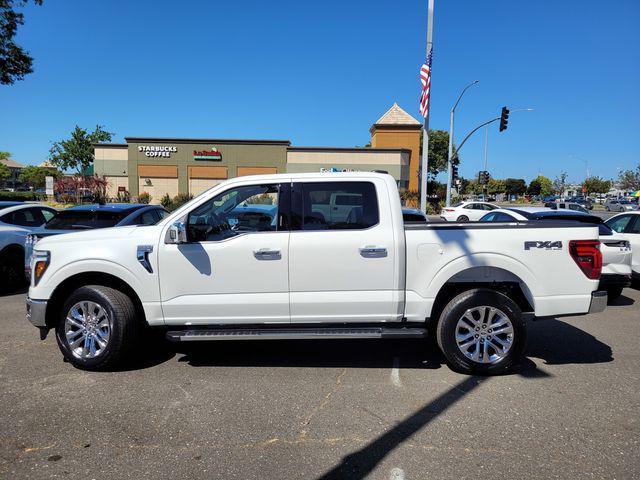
(21, 196)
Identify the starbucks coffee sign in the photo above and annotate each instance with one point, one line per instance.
(157, 150)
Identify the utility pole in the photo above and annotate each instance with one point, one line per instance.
(485, 188)
(450, 156)
(424, 167)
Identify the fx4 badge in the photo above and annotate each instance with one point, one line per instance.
(548, 245)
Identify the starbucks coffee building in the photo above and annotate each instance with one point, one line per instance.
(173, 166)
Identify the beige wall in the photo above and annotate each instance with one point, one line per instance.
(200, 185)
(158, 187)
(113, 183)
(337, 157)
(111, 161)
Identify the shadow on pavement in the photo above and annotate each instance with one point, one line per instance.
(10, 292)
(622, 300)
(312, 353)
(559, 343)
(361, 463)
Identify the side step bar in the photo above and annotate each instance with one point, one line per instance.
(278, 333)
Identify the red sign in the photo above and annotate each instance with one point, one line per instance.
(584, 189)
(212, 154)
(122, 189)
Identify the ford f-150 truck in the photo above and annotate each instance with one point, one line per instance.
(337, 262)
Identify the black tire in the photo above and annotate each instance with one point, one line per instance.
(453, 312)
(124, 334)
(463, 218)
(12, 269)
(613, 293)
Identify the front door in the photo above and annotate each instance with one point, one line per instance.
(235, 266)
(342, 263)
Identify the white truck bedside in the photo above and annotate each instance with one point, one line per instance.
(311, 256)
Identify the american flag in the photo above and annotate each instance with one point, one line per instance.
(425, 79)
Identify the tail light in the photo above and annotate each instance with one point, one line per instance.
(448, 210)
(587, 255)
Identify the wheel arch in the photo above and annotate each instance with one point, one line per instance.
(502, 280)
(64, 289)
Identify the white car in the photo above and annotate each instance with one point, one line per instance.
(627, 225)
(17, 220)
(466, 211)
(616, 248)
(358, 272)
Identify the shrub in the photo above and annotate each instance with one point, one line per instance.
(144, 197)
(123, 197)
(22, 196)
(166, 201)
(179, 200)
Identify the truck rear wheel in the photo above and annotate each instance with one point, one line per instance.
(97, 329)
(482, 332)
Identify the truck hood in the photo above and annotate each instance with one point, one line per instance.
(56, 237)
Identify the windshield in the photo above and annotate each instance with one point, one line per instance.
(84, 220)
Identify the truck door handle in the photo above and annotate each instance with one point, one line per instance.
(267, 254)
(373, 252)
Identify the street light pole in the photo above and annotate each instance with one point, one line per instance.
(450, 155)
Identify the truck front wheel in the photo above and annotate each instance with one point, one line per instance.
(482, 332)
(97, 329)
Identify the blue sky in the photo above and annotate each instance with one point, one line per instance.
(320, 73)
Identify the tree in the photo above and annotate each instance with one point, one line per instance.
(540, 185)
(630, 179)
(5, 155)
(515, 186)
(438, 151)
(15, 63)
(4, 172)
(77, 152)
(35, 176)
(596, 185)
(496, 186)
(559, 183)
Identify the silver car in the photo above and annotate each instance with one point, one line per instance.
(617, 205)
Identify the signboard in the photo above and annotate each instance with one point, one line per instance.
(157, 150)
(209, 155)
(48, 185)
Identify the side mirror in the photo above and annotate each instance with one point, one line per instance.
(177, 233)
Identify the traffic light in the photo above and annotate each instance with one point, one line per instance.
(454, 173)
(504, 118)
(483, 177)
(487, 177)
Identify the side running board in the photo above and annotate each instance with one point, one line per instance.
(205, 334)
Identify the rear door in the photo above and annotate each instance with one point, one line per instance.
(342, 268)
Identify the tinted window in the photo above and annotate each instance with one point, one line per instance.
(489, 217)
(412, 217)
(147, 217)
(251, 208)
(471, 206)
(619, 224)
(322, 211)
(503, 217)
(47, 214)
(635, 227)
(84, 220)
(28, 217)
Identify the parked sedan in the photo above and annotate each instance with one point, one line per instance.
(90, 217)
(17, 220)
(627, 225)
(617, 205)
(616, 249)
(466, 211)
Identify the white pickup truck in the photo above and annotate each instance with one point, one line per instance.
(260, 258)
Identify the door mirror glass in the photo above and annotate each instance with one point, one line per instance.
(177, 233)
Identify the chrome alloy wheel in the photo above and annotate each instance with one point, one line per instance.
(484, 334)
(87, 329)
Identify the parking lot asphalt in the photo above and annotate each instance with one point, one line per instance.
(326, 409)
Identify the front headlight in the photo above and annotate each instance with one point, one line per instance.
(41, 260)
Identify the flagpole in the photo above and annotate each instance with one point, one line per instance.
(424, 168)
